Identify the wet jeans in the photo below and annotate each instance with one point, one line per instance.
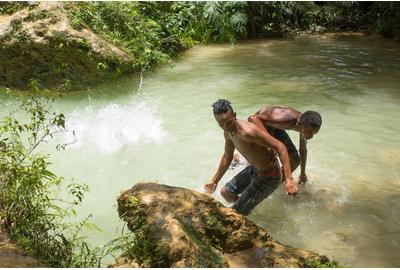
(252, 186)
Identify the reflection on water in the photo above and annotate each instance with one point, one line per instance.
(349, 209)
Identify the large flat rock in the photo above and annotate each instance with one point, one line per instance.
(185, 228)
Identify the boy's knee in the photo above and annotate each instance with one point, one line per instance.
(228, 196)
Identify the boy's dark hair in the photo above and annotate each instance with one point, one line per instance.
(221, 106)
(311, 118)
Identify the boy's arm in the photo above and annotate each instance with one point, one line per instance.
(258, 120)
(303, 156)
(226, 160)
(263, 138)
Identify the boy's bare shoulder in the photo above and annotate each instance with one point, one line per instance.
(248, 130)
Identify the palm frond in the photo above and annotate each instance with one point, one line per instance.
(239, 21)
(212, 10)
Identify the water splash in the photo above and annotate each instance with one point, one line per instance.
(140, 88)
(114, 126)
(332, 183)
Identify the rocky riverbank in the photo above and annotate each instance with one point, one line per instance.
(39, 42)
(178, 227)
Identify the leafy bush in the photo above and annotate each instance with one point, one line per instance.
(386, 16)
(154, 32)
(122, 23)
(227, 20)
(30, 208)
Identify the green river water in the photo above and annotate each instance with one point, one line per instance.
(160, 127)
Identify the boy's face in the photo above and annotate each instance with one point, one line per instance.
(227, 121)
(308, 132)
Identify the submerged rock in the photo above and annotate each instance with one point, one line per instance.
(179, 227)
(39, 42)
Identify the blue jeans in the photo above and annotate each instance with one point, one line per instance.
(253, 186)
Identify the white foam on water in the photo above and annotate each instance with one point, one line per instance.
(333, 182)
(114, 126)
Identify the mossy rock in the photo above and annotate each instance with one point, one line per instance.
(11, 256)
(40, 43)
(177, 227)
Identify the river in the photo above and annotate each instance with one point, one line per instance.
(160, 127)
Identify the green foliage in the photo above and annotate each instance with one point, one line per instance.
(7, 8)
(138, 245)
(340, 15)
(267, 18)
(275, 18)
(37, 15)
(30, 210)
(386, 16)
(121, 23)
(16, 24)
(174, 20)
(155, 32)
(184, 24)
(179, 25)
(227, 20)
